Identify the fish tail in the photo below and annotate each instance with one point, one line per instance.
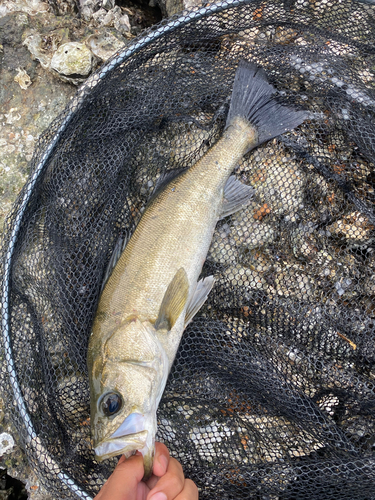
(253, 99)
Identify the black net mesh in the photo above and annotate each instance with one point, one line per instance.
(271, 395)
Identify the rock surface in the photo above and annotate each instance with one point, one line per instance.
(171, 7)
(30, 98)
(39, 43)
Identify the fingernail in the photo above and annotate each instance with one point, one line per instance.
(159, 496)
(163, 461)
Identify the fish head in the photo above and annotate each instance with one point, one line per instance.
(128, 371)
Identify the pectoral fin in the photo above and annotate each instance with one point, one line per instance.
(236, 196)
(174, 301)
(202, 290)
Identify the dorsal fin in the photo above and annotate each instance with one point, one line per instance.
(116, 254)
(174, 301)
(165, 179)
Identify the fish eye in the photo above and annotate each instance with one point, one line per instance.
(110, 404)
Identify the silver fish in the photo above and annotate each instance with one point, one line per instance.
(153, 291)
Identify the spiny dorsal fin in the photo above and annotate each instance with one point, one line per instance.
(116, 254)
(236, 196)
(201, 292)
(174, 301)
(165, 179)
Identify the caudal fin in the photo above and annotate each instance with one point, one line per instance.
(253, 99)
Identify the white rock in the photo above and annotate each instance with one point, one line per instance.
(88, 7)
(31, 7)
(108, 19)
(33, 43)
(189, 4)
(6, 443)
(23, 79)
(99, 16)
(104, 45)
(108, 4)
(13, 116)
(123, 24)
(170, 7)
(72, 58)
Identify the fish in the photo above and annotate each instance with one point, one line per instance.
(153, 291)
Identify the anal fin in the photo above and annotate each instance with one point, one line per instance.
(236, 196)
(174, 301)
(199, 297)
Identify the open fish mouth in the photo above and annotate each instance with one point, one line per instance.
(129, 437)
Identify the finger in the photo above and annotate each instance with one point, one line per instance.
(123, 482)
(123, 457)
(160, 466)
(171, 484)
(161, 460)
(190, 491)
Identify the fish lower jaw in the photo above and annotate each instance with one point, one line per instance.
(124, 445)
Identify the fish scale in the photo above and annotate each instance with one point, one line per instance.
(175, 231)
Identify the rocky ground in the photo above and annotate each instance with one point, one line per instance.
(47, 49)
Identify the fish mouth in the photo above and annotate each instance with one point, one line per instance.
(125, 445)
(130, 436)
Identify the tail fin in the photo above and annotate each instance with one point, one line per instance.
(253, 99)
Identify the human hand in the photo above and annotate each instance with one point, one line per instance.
(166, 483)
